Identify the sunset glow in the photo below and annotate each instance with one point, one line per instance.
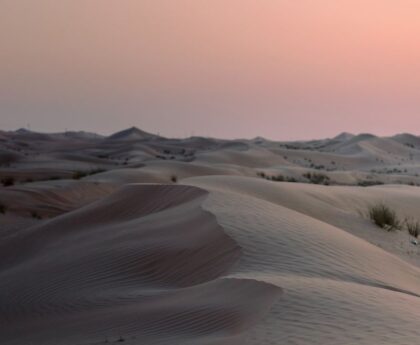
(236, 68)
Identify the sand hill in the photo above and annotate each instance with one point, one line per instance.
(140, 239)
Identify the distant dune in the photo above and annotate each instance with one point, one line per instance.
(140, 239)
(132, 133)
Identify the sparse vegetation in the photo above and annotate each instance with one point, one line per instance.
(174, 178)
(413, 227)
(8, 181)
(317, 178)
(318, 167)
(276, 178)
(3, 209)
(103, 156)
(261, 174)
(369, 183)
(77, 175)
(35, 215)
(384, 217)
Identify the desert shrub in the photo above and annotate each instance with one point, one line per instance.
(317, 178)
(174, 179)
(384, 217)
(36, 215)
(261, 174)
(3, 209)
(369, 183)
(278, 178)
(8, 181)
(413, 227)
(77, 175)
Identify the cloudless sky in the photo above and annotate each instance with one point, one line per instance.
(283, 69)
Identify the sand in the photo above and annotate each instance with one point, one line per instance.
(198, 248)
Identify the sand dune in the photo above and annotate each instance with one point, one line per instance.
(147, 240)
(111, 269)
(132, 133)
(339, 289)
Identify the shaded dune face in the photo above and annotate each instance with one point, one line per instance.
(145, 263)
(53, 200)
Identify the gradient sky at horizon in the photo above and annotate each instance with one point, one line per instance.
(285, 69)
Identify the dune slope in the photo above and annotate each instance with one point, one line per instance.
(141, 239)
(338, 288)
(145, 264)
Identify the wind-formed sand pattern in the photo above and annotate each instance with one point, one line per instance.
(140, 239)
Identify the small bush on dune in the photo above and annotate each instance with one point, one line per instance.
(77, 175)
(278, 178)
(35, 215)
(174, 179)
(8, 181)
(413, 227)
(369, 183)
(384, 217)
(317, 178)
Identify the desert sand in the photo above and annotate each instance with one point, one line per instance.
(141, 239)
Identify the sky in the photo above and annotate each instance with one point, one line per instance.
(281, 69)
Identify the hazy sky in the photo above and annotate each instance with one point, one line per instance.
(284, 69)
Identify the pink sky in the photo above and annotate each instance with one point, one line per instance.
(283, 69)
